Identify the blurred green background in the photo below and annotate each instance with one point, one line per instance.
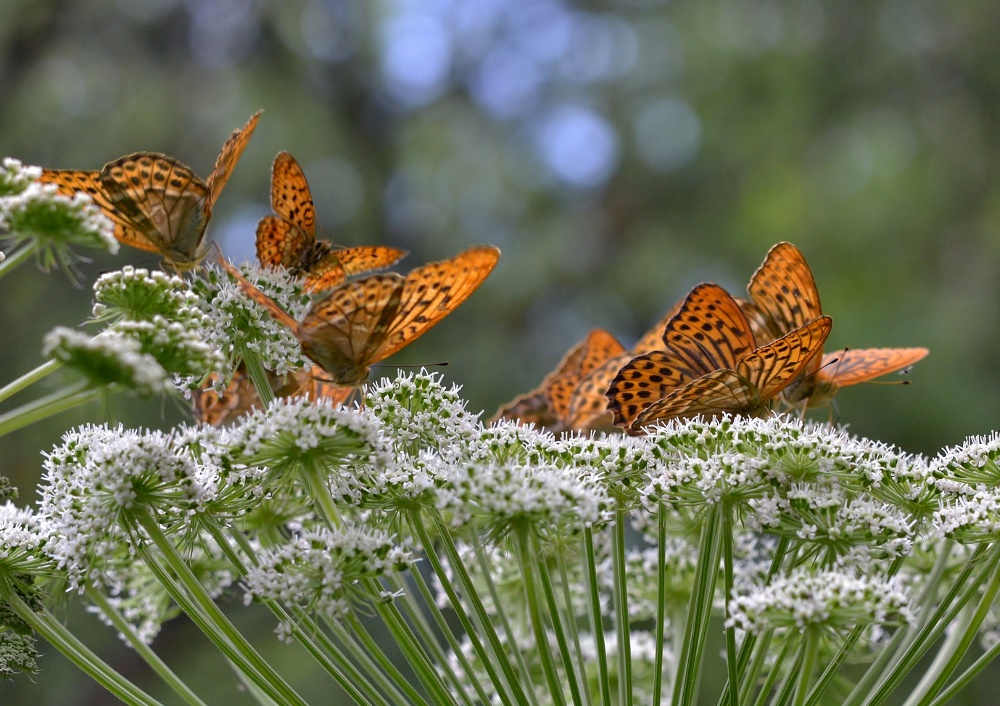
(617, 152)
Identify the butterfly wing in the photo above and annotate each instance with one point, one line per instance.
(784, 292)
(337, 265)
(69, 182)
(164, 200)
(772, 367)
(432, 292)
(855, 365)
(644, 380)
(238, 398)
(345, 331)
(281, 243)
(226, 161)
(290, 195)
(709, 331)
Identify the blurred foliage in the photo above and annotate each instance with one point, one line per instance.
(618, 152)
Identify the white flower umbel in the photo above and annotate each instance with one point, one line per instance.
(42, 221)
(107, 359)
(137, 294)
(16, 177)
(242, 329)
(326, 572)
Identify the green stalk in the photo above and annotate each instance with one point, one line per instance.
(596, 617)
(727, 562)
(555, 616)
(305, 630)
(622, 624)
(946, 696)
(11, 261)
(142, 649)
(445, 630)
(964, 589)
(519, 692)
(661, 600)
(531, 596)
(315, 481)
(47, 406)
(807, 660)
(191, 596)
(773, 674)
(49, 627)
(571, 623)
(700, 610)
(959, 649)
(258, 376)
(502, 617)
(29, 378)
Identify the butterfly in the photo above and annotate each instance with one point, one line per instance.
(366, 320)
(784, 297)
(711, 365)
(240, 397)
(549, 405)
(155, 202)
(288, 239)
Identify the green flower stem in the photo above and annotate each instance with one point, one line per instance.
(499, 657)
(411, 647)
(751, 658)
(773, 674)
(191, 596)
(893, 651)
(382, 670)
(532, 597)
(571, 624)
(833, 666)
(946, 696)
(29, 378)
(47, 406)
(807, 663)
(258, 376)
(314, 479)
(18, 257)
(306, 632)
(49, 627)
(727, 563)
(661, 599)
(700, 610)
(964, 589)
(622, 622)
(444, 629)
(597, 617)
(573, 679)
(142, 649)
(501, 613)
(957, 651)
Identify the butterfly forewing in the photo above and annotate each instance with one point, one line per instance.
(68, 182)
(716, 393)
(290, 195)
(644, 380)
(433, 291)
(709, 331)
(784, 289)
(226, 161)
(281, 243)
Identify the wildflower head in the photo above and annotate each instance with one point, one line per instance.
(108, 359)
(830, 602)
(16, 177)
(52, 223)
(239, 328)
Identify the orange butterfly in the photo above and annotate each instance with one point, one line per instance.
(155, 202)
(549, 405)
(240, 396)
(366, 320)
(711, 365)
(784, 298)
(288, 239)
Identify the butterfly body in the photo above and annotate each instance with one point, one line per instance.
(288, 238)
(155, 202)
